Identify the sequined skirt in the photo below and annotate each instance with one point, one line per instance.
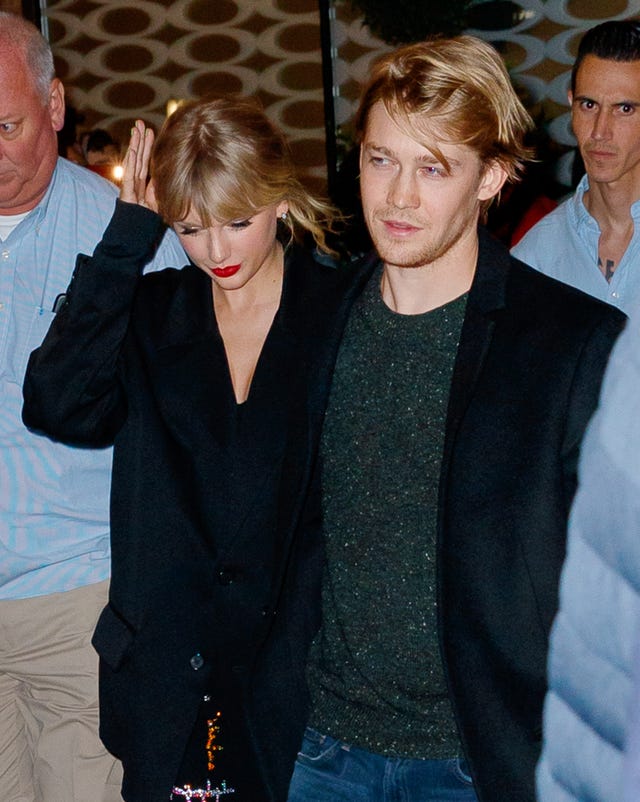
(202, 774)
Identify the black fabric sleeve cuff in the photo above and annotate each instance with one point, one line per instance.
(133, 233)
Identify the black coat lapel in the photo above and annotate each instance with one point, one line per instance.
(191, 375)
(486, 298)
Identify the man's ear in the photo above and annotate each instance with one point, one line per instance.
(493, 177)
(56, 104)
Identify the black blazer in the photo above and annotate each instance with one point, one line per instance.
(215, 572)
(526, 381)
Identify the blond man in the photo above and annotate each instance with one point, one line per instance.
(461, 389)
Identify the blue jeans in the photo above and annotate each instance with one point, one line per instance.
(331, 771)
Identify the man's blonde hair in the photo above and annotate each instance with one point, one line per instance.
(458, 85)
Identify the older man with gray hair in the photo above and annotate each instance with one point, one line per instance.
(54, 505)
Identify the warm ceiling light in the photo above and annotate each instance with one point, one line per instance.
(172, 105)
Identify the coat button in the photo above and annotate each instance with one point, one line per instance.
(226, 576)
(197, 661)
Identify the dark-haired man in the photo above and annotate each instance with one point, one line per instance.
(592, 240)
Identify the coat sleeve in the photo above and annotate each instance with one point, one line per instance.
(585, 390)
(72, 389)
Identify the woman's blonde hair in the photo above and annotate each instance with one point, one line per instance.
(222, 158)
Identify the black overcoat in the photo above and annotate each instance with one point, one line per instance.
(526, 380)
(215, 571)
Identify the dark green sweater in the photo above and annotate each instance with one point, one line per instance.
(375, 672)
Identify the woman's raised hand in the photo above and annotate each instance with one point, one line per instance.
(135, 188)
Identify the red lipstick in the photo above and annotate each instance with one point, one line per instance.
(225, 272)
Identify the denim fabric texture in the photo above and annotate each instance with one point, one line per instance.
(328, 770)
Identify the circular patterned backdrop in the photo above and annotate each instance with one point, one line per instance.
(120, 60)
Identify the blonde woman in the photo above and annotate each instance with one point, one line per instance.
(202, 378)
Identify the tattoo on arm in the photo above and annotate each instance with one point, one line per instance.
(608, 268)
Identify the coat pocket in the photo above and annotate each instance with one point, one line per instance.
(112, 638)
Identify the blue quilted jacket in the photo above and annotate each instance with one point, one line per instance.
(592, 702)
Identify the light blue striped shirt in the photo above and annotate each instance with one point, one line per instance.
(564, 244)
(54, 500)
